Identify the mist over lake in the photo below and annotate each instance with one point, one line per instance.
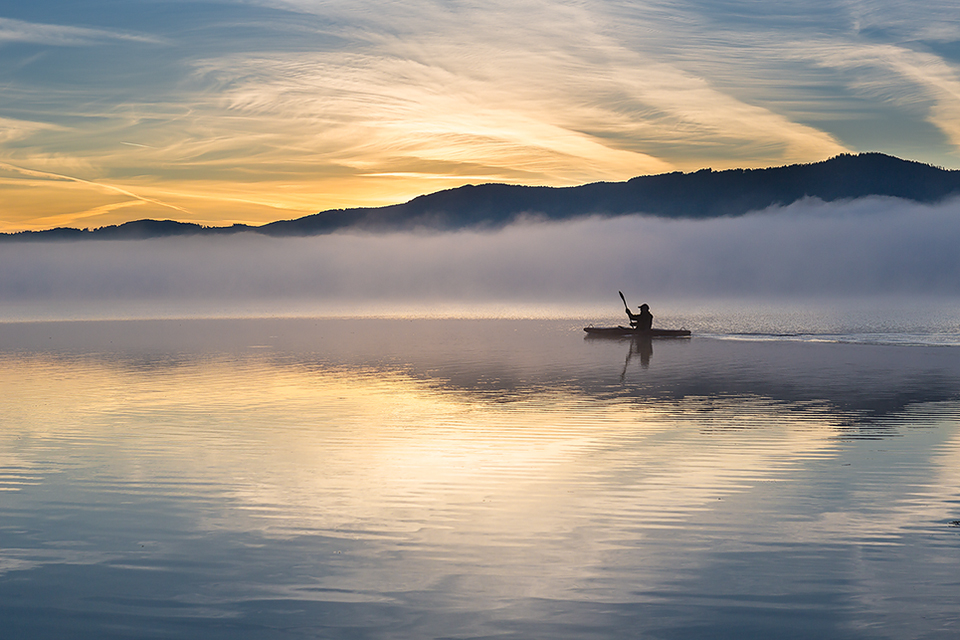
(871, 246)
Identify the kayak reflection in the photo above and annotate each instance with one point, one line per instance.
(642, 346)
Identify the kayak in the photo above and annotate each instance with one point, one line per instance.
(630, 332)
(614, 332)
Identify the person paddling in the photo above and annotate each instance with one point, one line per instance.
(642, 321)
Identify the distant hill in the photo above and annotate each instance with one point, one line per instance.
(703, 194)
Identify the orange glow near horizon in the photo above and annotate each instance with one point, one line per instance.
(363, 105)
(36, 201)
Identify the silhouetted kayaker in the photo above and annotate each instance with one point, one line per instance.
(642, 321)
(641, 326)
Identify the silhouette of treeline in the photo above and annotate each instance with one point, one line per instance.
(703, 194)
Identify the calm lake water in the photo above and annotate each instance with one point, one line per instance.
(787, 475)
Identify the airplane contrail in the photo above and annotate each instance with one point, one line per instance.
(108, 187)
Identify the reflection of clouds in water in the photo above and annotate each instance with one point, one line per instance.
(901, 501)
(381, 457)
(892, 501)
(382, 468)
(872, 245)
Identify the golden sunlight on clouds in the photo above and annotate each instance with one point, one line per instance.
(297, 137)
(334, 104)
(560, 98)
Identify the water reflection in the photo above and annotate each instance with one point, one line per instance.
(641, 347)
(470, 479)
(507, 359)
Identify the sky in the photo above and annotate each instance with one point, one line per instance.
(258, 110)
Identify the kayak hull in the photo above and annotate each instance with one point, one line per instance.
(628, 332)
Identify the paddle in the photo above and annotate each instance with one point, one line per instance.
(627, 308)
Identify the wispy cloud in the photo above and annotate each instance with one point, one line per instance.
(553, 100)
(910, 79)
(64, 35)
(12, 130)
(274, 107)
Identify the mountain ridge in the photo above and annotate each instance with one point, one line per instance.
(698, 195)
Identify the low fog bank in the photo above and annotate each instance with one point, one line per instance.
(864, 247)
